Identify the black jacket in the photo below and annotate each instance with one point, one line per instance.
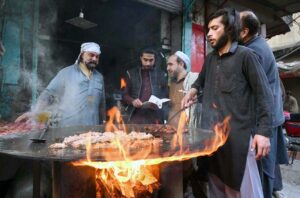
(236, 85)
(133, 87)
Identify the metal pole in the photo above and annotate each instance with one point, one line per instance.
(187, 28)
(56, 168)
(36, 179)
(34, 49)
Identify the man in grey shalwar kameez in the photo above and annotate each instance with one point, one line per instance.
(74, 97)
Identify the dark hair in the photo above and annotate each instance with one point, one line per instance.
(250, 21)
(231, 21)
(179, 60)
(148, 51)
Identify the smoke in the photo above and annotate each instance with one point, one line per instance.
(2, 3)
(29, 81)
(48, 63)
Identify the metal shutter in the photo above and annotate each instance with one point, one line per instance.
(174, 6)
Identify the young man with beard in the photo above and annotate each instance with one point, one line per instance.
(76, 94)
(278, 154)
(234, 84)
(142, 82)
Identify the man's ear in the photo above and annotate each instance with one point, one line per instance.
(181, 64)
(245, 32)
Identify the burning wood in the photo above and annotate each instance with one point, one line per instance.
(137, 174)
(142, 186)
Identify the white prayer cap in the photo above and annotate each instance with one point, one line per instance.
(89, 47)
(183, 57)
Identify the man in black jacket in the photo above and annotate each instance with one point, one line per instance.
(142, 82)
(278, 154)
(234, 84)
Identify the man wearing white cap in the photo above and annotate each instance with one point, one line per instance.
(176, 174)
(75, 96)
(181, 81)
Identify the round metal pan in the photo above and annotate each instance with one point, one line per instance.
(20, 145)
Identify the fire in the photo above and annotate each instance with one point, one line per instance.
(137, 172)
(123, 83)
(177, 139)
(115, 117)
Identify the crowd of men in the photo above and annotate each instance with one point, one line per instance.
(239, 78)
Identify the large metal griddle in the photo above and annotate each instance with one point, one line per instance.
(20, 145)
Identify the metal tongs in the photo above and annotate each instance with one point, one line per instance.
(171, 118)
(41, 139)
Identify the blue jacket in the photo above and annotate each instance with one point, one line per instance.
(278, 152)
(268, 62)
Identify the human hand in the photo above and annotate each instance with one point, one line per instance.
(189, 99)
(25, 117)
(137, 103)
(262, 145)
(38, 118)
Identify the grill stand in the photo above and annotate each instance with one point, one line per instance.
(56, 168)
(36, 178)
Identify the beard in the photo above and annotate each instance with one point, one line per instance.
(91, 64)
(221, 42)
(147, 67)
(173, 75)
(173, 78)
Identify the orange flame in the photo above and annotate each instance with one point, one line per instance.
(123, 83)
(178, 137)
(138, 171)
(115, 121)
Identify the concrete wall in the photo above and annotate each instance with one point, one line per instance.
(289, 39)
(176, 33)
(17, 37)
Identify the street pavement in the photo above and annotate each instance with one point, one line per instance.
(291, 179)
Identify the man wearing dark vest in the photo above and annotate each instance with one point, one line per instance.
(142, 82)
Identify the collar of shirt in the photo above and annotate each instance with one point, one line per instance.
(181, 79)
(177, 81)
(232, 49)
(88, 73)
(251, 40)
